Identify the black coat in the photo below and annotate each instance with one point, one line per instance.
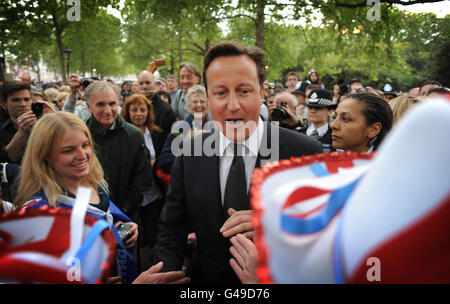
(126, 162)
(194, 204)
(164, 115)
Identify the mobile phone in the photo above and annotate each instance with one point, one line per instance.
(123, 230)
(37, 109)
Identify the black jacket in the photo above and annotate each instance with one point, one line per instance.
(164, 115)
(126, 162)
(194, 204)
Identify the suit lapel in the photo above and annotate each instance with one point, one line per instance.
(266, 143)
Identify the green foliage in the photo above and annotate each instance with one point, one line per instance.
(403, 48)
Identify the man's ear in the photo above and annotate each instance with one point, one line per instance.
(262, 93)
(88, 104)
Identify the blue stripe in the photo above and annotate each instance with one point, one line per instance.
(96, 230)
(311, 225)
(319, 170)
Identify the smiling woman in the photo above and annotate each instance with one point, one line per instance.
(58, 159)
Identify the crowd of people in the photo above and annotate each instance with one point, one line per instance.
(135, 145)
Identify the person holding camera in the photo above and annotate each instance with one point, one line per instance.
(77, 88)
(283, 111)
(23, 114)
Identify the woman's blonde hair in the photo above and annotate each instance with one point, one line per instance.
(36, 172)
(399, 106)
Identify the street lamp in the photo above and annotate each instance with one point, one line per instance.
(93, 72)
(67, 51)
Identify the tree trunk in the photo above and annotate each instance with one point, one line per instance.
(83, 64)
(259, 24)
(180, 52)
(172, 62)
(3, 66)
(58, 36)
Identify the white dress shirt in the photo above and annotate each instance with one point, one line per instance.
(149, 143)
(249, 155)
(322, 130)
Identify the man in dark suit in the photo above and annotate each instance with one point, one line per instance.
(208, 193)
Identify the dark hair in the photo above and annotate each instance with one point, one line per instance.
(234, 48)
(159, 93)
(438, 90)
(10, 87)
(354, 80)
(318, 78)
(429, 82)
(375, 109)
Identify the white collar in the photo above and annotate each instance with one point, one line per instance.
(322, 130)
(147, 132)
(252, 143)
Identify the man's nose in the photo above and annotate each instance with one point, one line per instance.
(233, 102)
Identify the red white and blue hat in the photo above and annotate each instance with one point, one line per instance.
(344, 218)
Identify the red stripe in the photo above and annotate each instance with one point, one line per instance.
(306, 214)
(303, 194)
(419, 254)
(339, 163)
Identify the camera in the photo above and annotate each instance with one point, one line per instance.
(37, 109)
(123, 230)
(280, 112)
(85, 82)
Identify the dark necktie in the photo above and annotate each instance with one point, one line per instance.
(236, 187)
(315, 134)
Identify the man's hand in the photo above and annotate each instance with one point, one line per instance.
(245, 259)
(25, 122)
(75, 84)
(152, 276)
(155, 64)
(238, 222)
(271, 107)
(192, 240)
(292, 120)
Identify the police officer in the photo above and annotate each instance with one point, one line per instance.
(320, 106)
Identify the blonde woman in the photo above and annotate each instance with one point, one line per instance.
(58, 159)
(60, 99)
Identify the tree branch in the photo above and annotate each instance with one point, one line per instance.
(231, 17)
(364, 2)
